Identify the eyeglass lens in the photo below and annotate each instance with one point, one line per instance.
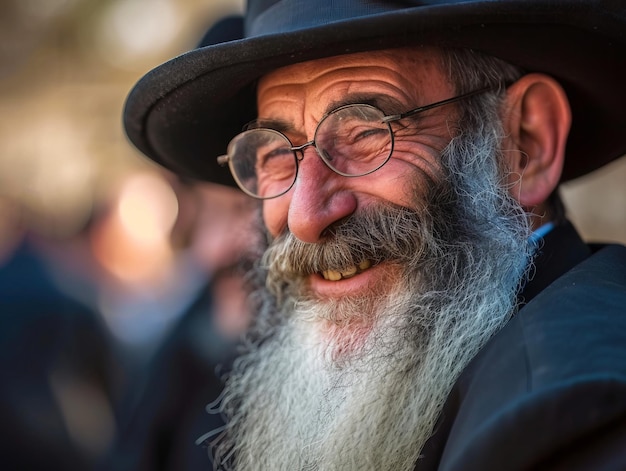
(352, 140)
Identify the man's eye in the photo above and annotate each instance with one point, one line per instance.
(274, 157)
(369, 132)
(276, 153)
(359, 130)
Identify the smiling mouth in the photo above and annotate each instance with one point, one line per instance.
(336, 275)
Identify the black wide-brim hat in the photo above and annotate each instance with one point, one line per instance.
(183, 113)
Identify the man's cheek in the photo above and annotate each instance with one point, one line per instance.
(275, 214)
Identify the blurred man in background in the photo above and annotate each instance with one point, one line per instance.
(165, 413)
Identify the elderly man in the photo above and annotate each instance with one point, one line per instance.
(423, 303)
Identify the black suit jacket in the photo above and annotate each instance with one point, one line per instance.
(549, 390)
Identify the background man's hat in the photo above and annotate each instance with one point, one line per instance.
(183, 113)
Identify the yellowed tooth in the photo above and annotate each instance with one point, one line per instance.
(365, 264)
(332, 275)
(348, 272)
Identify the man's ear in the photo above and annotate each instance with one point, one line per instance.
(537, 118)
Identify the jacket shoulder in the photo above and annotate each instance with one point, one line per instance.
(550, 387)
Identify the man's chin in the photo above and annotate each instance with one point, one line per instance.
(343, 342)
(342, 327)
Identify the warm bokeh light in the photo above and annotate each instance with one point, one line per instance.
(147, 209)
(132, 240)
(48, 167)
(126, 33)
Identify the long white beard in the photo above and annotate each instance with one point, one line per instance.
(304, 399)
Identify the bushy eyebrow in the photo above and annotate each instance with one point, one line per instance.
(385, 103)
(267, 123)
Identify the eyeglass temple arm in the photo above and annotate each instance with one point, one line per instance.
(223, 160)
(412, 112)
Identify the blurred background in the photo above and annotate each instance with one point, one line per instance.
(109, 265)
(66, 67)
(112, 231)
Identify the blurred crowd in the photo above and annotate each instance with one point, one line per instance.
(113, 341)
(111, 271)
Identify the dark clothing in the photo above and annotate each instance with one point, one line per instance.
(167, 413)
(55, 381)
(549, 390)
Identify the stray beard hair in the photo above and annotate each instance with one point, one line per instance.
(358, 383)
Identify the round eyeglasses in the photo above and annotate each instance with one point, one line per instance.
(352, 140)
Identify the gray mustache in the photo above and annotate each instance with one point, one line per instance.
(384, 233)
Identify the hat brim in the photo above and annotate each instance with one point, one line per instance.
(183, 113)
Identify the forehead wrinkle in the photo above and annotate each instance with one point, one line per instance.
(279, 96)
(287, 93)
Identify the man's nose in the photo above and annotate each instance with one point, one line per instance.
(319, 199)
